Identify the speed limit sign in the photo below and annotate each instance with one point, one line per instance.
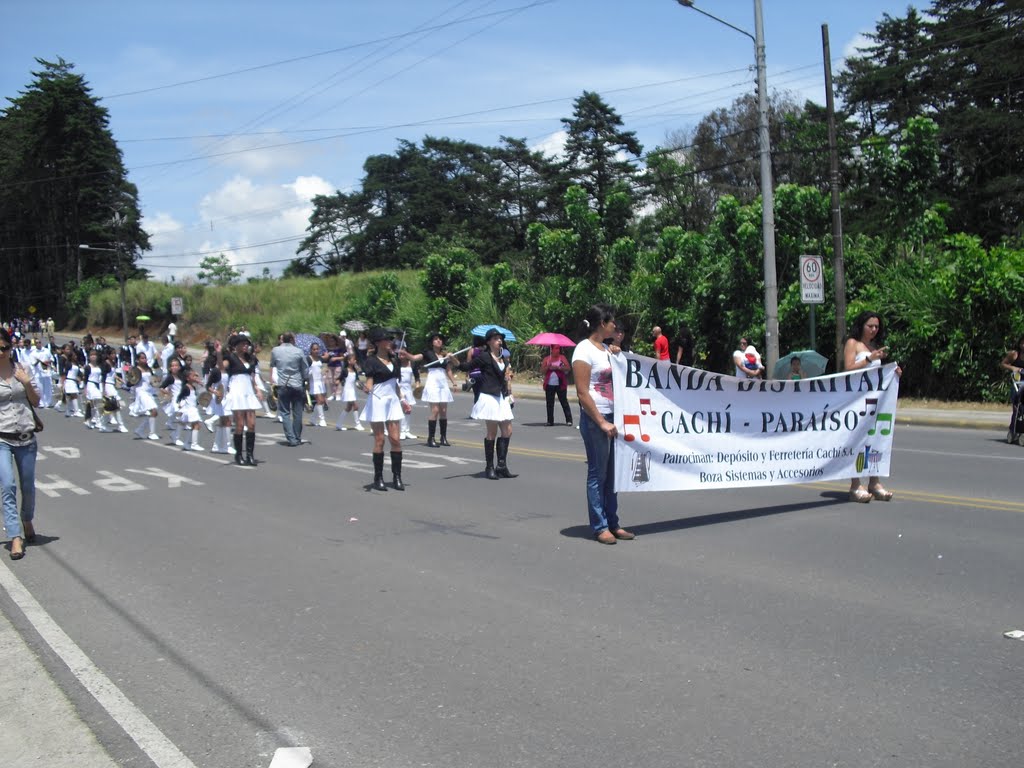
(812, 280)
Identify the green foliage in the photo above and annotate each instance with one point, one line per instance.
(217, 270)
(79, 294)
(380, 301)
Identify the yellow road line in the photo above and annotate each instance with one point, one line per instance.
(938, 498)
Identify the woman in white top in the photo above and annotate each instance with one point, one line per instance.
(71, 383)
(110, 392)
(865, 349)
(438, 389)
(592, 370)
(317, 388)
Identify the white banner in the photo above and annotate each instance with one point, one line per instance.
(684, 428)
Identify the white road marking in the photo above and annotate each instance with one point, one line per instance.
(292, 757)
(54, 484)
(140, 728)
(173, 480)
(897, 451)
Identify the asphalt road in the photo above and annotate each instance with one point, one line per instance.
(468, 623)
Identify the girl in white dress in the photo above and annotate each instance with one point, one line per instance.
(70, 384)
(188, 407)
(350, 375)
(405, 385)
(494, 406)
(145, 399)
(170, 387)
(95, 371)
(438, 389)
(221, 420)
(384, 407)
(111, 393)
(317, 389)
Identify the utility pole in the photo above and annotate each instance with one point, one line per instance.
(771, 287)
(838, 268)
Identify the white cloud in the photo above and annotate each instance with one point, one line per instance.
(551, 146)
(860, 40)
(241, 219)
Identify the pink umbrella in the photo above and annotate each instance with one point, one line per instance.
(547, 339)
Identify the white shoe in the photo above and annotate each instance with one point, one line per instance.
(322, 423)
(154, 436)
(209, 427)
(198, 448)
(410, 436)
(342, 429)
(360, 427)
(122, 428)
(103, 429)
(180, 443)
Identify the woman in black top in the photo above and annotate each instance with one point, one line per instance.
(438, 389)
(243, 398)
(384, 406)
(494, 406)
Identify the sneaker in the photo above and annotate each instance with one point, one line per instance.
(198, 448)
(122, 428)
(209, 427)
(411, 436)
(322, 423)
(360, 427)
(341, 429)
(180, 443)
(154, 436)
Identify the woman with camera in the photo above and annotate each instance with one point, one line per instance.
(18, 447)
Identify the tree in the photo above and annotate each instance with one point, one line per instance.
(217, 270)
(61, 180)
(336, 229)
(595, 140)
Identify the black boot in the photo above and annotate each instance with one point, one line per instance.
(250, 446)
(444, 432)
(396, 470)
(502, 456)
(489, 455)
(431, 430)
(236, 438)
(378, 472)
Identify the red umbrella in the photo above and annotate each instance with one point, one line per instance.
(547, 339)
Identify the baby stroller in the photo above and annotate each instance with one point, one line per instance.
(1016, 430)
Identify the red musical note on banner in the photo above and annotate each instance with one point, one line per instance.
(646, 401)
(631, 419)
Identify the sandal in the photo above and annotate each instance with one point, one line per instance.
(880, 493)
(606, 537)
(860, 496)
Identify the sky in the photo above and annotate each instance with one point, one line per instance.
(231, 116)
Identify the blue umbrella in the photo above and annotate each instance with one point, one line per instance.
(481, 330)
(305, 340)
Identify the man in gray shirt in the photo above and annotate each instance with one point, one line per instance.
(289, 370)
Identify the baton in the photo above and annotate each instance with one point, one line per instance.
(452, 354)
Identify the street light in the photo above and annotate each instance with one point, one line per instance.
(771, 288)
(120, 279)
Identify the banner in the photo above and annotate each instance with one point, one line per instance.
(683, 428)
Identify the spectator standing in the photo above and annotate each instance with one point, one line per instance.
(660, 343)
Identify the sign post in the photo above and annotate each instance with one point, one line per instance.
(812, 288)
(177, 305)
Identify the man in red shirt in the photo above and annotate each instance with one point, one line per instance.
(660, 343)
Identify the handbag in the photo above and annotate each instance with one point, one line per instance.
(35, 417)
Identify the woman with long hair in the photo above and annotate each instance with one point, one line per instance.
(554, 376)
(18, 448)
(865, 348)
(317, 388)
(170, 387)
(243, 396)
(349, 377)
(384, 406)
(438, 389)
(494, 404)
(592, 370)
(70, 381)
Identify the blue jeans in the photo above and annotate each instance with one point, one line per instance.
(290, 402)
(25, 458)
(602, 501)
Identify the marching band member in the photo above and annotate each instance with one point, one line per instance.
(317, 390)
(170, 387)
(188, 407)
(349, 378)
(494, 406)
(438, 389)
(242, 398)
(110, 391)
(70, 382)
(405, 384)
(145, 405)
(384, 407)
(215, 386)
(95, 372)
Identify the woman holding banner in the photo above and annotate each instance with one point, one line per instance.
(592, 370)
(865, 348)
